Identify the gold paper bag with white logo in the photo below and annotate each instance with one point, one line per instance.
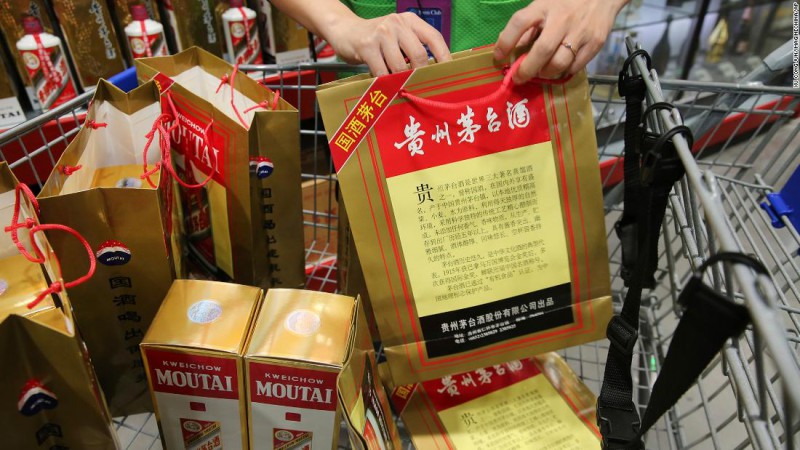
(97, 189)
(476, 209)
(50, 392)
(251, 131)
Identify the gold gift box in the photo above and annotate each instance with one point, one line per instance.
(300, 343)
(194, 368)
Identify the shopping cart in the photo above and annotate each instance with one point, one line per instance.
(747, 146)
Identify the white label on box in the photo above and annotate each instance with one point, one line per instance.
(197, 398)
(289, 405)
(10, 112)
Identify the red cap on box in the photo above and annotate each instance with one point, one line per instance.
(236, 3)
(139, 12)
(31, 25)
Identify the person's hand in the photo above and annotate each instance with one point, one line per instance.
(381, 43)
(564, 35)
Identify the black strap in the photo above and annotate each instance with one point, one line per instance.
(631, 87)
(652, 167)
(708, 321)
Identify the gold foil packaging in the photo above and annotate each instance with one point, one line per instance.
(195, 23)
(245, 224)
(534, 402)
(97, 189)
(192, 355)
(91, 39)
(283, 38)
(476, 210)
(305, 347)
(49, 388)
(10, 110)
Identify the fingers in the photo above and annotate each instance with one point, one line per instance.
(542, 51)
(583, 23)
(520, 23)
(387, 41)
(431, 37)
(371, 56)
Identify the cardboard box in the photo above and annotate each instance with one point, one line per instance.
(10, 110)
(11, 14)
(195, 23)
(300, 343)
(91, 39)
(284, 39)
(194, 368)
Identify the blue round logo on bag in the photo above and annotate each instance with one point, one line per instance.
(262, 167)
(35, 397)
(113, 253)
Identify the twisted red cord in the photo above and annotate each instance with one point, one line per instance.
(20, 190)
(505, 86)
(95, 125)
(166, 153)
(69, 170)
(233, 92)
(223, 80)
(57, 286)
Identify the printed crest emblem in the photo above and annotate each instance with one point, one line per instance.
(35, 397)
(262, 167)
(31, 61)
(113, 253)
(237, 30)
(138, 46)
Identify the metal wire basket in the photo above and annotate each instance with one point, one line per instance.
(746, 142)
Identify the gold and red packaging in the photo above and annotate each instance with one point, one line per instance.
(534, 402)
(10, 110)
(91, 39)
(283, 38)
(300, 342)
(192, 355)
(195, 23)
(122, 16)
(12, 12)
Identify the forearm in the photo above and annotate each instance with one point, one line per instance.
(319, 16)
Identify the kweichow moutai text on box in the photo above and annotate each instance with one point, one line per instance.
(192, 354)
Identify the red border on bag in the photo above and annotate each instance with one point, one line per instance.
(428, 364)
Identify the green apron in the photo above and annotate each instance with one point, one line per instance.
(474, 23)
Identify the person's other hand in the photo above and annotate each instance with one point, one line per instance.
(550, 26)
(381, 43)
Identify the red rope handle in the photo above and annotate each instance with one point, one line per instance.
(69, 170)
(13, 229)
(150, 136)
(58, 286)
(166, 153)
(95, 125)
(505, 86)
(233, 92)
(223, 80)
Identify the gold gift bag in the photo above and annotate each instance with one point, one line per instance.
(97, 189)
(531, 403)
(476, 208)
(251, 131)
(46, 371)
(368, 416)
